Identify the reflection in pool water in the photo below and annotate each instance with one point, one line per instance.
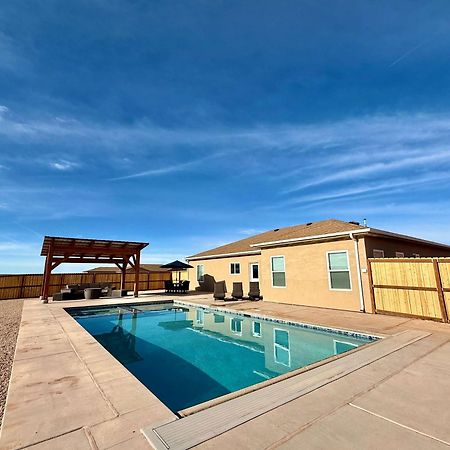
(186, 356)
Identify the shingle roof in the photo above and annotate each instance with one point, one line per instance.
(297, 231)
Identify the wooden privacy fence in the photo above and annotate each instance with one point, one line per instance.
(414, 287)
(29, 285)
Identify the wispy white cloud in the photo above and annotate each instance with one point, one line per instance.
(249, 231)
(370, 170)
(170, 168)
(409, 52)
(63, 165)
(364, 189)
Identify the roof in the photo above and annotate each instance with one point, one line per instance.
(144, 267)
(177, 265)
(89, 247)
(312, 231)
(297, 231)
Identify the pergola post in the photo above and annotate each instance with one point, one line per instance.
(137, 272)
(123, 273)
(47, 273)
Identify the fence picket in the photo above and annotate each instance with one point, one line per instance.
(414, 287)
(29, 285)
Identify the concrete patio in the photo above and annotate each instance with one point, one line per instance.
(67, 391)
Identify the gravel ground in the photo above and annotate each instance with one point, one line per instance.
(10, 314)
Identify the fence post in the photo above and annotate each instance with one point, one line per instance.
(371, 288)
(22, 280)
(440, 291)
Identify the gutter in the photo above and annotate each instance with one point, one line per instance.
(223, 255)
(362, 307)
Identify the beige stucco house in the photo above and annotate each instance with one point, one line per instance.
(320, 264)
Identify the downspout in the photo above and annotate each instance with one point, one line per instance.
(358, 272)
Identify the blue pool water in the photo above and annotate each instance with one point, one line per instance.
(188, 355)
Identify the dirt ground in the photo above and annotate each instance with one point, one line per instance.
(10, 314)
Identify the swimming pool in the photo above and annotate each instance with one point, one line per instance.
(187, 355)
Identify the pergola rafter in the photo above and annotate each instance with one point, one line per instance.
(59, 250)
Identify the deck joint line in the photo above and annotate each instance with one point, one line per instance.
(91, 375)
(399, 424)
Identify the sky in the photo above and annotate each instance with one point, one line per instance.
(190, 124)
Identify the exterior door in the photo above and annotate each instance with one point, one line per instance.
(254, 272)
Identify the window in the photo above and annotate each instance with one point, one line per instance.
(236, 326)
(200, 314)
(399, 255)
(200, 272)
(378, 253)
(235, 268)
(278, 271)
(254, 272)
(342, 346)
(218, 318)
(338, 271)
(256, 329)
(281, 350)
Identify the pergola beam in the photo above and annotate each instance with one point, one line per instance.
(72, 250)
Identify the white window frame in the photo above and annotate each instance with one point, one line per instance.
(329, 271)
(203, 272)
(378, 250)
(275, 345)
(336, 341)
(200, 317)
(238, 333)
(272, 272)
(254, 333)
(399, 254)
(251, 271)
(235, 264)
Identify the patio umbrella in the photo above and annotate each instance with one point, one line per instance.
(177, 266)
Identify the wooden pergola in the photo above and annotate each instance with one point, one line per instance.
(58, 250)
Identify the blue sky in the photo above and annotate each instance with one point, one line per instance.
(189, 124)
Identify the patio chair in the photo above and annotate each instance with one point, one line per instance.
(254, 292)
(185, 286)
(219, 290)
(168, 286)
(238, 291)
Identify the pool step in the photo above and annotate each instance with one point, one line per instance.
(192, 430)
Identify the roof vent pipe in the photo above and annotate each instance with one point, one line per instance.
(365, 222)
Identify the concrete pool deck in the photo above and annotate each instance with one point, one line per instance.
(66, 391)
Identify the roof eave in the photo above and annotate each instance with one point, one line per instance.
(310, 238)
(223, 255)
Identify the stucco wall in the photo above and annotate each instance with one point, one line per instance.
(390, 246)
(307, 276)
(219, 268)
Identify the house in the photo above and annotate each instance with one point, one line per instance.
(322, 264)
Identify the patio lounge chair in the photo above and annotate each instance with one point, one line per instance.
(254, 292)
(238, 291)
(185, 286)
(168, 286)
(219, 290)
